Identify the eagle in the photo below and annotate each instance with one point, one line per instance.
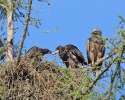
(34, 55)
(36, 52)
(95, 48)
(71, 56)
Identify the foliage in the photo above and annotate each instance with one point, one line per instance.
(2, 50)
(37, 81)
(116, 73)
(11, 12)
(1, 89)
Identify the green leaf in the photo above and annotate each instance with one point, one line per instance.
(121, 17)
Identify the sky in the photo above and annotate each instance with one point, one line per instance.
(74, 21)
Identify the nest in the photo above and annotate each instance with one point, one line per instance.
(41, 81)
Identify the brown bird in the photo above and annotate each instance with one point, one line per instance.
(35, 52)
(95, 48)
(71, 56)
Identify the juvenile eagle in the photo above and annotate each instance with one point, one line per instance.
(95, 47)
(71, 56)
(35, 52)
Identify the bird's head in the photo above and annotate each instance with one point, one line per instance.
(47, 51)
(58, 49)
(96, 32)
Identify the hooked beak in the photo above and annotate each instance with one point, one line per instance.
(57, 51)
(54, 54)
(94, 32)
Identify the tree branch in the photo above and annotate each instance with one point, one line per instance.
(98, 77)
(4, 44)
(2, 5)
(25, 30)
(113, 52)
(112, 81)
(114, 76)
(5, 47)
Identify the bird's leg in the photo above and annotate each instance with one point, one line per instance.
(98, 59)
(97, 73)
(69, 67)
(92, 63)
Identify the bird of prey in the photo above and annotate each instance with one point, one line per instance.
(71, 56)
(95, 48)
(36, 52)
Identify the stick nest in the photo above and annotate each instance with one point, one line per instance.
(41, 81)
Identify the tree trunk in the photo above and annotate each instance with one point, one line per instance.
(10, 32)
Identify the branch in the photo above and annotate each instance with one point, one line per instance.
(4, 44)
(3, 6)
(113, 52)
(114, 76)
(112, 81)
(2, 56)
(25, 30)
(98, 77)
(5, 47)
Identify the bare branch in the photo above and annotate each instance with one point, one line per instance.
(4, 44)
(2, 56)
(25, 30)
(113, 52)
(5, 47)
(2, 5)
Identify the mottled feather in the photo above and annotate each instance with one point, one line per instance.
(71, 56)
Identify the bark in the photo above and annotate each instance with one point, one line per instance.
(5, 47)
(10, 32)
(25, 30)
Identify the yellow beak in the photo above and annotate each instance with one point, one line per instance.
(57, 51)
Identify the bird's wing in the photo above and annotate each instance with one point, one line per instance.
(76, 53)
(103, 48)
(88, 50)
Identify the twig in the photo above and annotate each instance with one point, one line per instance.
(5, 47)
(25, 30)
(112, 81)
(4, 44)
(2, 5)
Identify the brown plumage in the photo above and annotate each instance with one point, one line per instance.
(71, 56)
(35, 52)
(95, 47)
